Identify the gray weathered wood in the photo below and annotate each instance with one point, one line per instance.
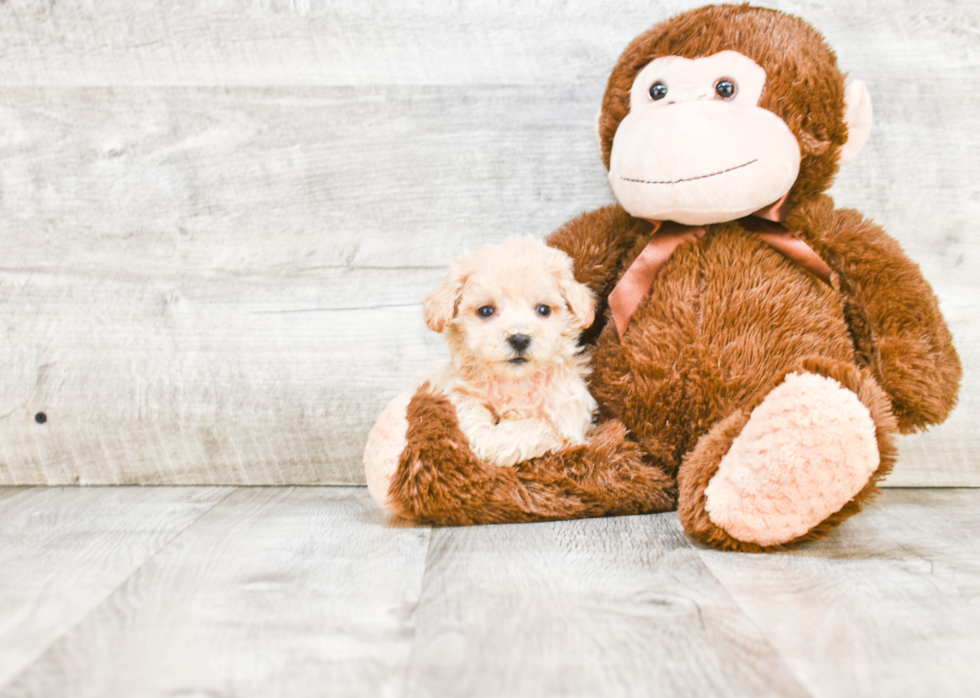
(8, 492)
(279, 182)
(314, 591)
(610, 607)
(220, 382)
(888, 606)
(63, 551)
(358, 42)
(219, 219)
(275, 592)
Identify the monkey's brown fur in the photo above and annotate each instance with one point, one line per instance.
(440, 481)
(727, 318)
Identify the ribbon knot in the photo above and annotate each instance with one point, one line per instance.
(636, 283)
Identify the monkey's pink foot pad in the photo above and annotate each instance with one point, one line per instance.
(806, 450)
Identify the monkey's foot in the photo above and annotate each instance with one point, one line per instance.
(804, 459)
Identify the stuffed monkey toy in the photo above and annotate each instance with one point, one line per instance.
(757, 348)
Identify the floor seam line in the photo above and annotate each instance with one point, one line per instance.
(97, 605)
(782, 658)
(410, 664)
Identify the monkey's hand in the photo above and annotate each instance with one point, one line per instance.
(892, 311)
(440, 481)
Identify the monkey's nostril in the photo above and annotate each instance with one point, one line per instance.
(519, 342)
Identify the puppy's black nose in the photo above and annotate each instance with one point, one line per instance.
(520, 342)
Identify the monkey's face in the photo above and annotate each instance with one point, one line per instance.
(696, 148)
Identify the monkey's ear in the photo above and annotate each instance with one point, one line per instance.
(580, 301)
(858, 116)
(439, 308)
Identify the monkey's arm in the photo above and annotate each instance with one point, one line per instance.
(894, 316)
(597, 242)
(440, 481)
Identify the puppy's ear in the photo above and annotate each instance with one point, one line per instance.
(580, 301)
(439, 308)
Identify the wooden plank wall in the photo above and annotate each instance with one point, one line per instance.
(219, 218)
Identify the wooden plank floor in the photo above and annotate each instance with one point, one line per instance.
(308, 591)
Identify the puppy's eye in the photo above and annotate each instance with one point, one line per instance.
(485, 311)
(543, 310)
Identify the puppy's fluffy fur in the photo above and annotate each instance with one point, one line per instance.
(511, 315)
(514, 402)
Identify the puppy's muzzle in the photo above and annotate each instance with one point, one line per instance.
(519, 343)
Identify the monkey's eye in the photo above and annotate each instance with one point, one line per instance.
(485, 311)
(725, 88)
(658, 91)
(543, 310)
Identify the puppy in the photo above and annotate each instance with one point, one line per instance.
(512, 315)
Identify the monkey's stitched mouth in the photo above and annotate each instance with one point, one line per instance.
(689, 179)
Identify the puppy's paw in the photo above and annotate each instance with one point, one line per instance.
(515, 440)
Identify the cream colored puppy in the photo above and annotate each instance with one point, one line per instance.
(512, 315)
